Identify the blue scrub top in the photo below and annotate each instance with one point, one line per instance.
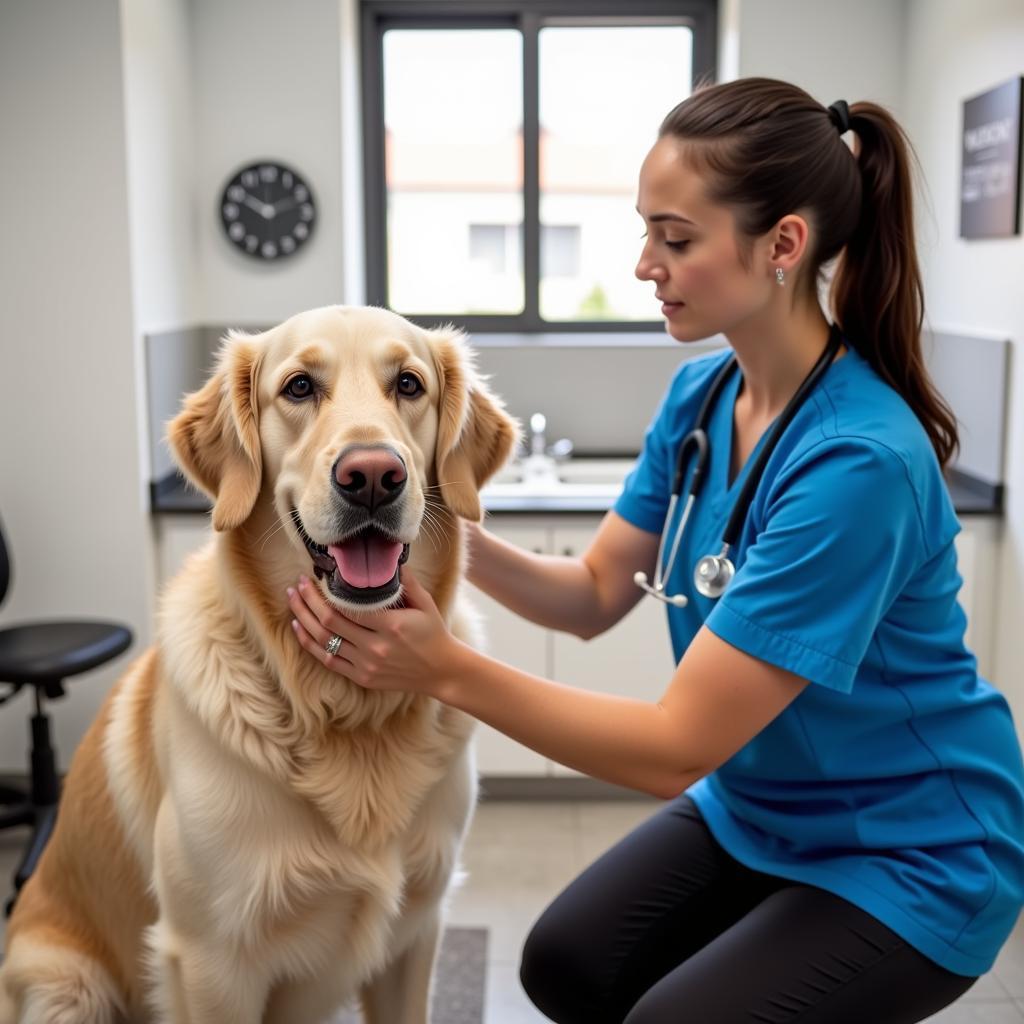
(895, 781)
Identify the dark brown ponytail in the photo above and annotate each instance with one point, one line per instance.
(769, 149)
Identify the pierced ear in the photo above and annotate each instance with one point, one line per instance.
(475, 436)
(215, 439)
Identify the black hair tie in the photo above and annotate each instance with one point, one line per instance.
(839, 115)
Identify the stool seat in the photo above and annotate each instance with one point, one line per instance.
(48, 651)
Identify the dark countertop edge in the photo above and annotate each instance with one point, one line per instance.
(971, 496)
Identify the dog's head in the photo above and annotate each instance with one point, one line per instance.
(352, 422)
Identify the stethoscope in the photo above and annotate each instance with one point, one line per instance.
(713, 573)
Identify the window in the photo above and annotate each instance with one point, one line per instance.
(503, 142)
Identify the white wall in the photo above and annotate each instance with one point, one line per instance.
(267, 82)
(156, 42)
(959, 50)
(835, 49)
(71, 482)
(163, 208)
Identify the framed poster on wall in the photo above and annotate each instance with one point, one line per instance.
(991, 162)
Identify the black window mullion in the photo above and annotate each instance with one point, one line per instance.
(531, 171)
(374, 185)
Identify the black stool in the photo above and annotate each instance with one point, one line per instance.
(43, 655)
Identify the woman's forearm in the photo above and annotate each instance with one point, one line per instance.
(628, 742)
(553, 591)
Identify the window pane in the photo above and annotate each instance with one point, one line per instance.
(603, 93)
(453, 115)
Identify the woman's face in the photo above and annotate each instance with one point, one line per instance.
(690, 251)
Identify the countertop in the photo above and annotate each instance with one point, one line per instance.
(970, 496)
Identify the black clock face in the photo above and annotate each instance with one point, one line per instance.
(267, 210)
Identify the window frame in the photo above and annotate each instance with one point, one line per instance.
(527, 16)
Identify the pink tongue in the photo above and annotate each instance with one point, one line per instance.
(366, 561)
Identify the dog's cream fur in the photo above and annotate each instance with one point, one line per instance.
(244, 836)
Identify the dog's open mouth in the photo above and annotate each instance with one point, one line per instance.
(363, 568)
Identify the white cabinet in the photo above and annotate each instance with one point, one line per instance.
(177, 536)
(517, 642)
(977, 558)
(633, 659)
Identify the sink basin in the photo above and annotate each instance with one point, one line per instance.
(594, 471)
(544, 479)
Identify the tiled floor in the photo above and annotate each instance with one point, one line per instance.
(520, 854)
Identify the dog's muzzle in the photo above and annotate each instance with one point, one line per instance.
(363, 568)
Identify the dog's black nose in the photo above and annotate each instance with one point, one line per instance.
(370, 477)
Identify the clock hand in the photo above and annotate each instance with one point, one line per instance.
(285, 204)
(265, 210)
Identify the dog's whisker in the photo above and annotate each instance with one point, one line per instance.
(268, 535)
(276, 525)
(449, 483)
(430, 531)
(432, 522)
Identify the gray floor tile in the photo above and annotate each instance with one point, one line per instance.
(517, 857)
(604, 823)
(986, 989)
(1009, 966)
(1004, 1011)
(506, 1001)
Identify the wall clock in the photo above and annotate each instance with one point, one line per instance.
(267, 210)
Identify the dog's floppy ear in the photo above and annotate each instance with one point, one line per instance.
(215, 438)
(475, 436)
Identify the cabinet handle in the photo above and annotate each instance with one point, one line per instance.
(568, 552)
(537, 551)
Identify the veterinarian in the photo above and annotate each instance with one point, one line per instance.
(844, 834)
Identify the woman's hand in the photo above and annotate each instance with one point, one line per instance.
(401, 649)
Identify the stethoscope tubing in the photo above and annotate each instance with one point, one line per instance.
(714, 572)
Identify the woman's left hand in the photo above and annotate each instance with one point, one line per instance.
(405, 648)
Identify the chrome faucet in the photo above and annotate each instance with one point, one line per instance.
(559, 451)
(538, 424)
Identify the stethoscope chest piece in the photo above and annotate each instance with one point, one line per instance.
(713, 574)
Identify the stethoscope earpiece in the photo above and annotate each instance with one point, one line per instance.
(679, 600)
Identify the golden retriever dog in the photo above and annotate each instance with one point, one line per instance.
(245, 836)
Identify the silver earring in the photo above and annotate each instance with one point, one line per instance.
(780, 275)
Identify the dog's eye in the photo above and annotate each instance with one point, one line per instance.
(300, 387)
(409, 385)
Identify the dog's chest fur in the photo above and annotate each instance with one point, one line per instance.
(292, 826)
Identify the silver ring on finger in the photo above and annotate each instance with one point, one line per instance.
(333, 645)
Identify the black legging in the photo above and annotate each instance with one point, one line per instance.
(667, 928)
